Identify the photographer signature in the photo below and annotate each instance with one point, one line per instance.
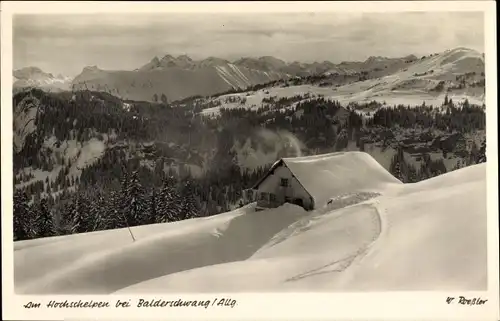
(465, 301)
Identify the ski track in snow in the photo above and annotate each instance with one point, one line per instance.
(339, 265)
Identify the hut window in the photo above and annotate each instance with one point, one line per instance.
(284, 182)
(263, 196)
(272, 197)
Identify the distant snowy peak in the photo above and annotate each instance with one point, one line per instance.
(181, 76)
(32, 73)
(153, 64)
(181, 62)
(35, 77)
(266, 63)
(169, 61)
(273, 64)
(262, 64)
(91, 69)
(212, 62)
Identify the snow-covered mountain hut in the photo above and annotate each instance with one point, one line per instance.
(311, 181)
(280, 185)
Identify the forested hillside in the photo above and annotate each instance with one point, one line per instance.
(87, 161)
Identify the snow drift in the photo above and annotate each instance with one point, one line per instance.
(424, 236)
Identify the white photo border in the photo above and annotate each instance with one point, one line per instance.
(252, 306)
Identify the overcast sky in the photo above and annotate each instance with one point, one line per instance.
(67, 43)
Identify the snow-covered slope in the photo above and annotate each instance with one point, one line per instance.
(424, 236)
(177, 78)
(411, 84)
(427, 237)
(418, 82)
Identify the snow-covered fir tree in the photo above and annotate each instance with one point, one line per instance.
(65, 219)
(122, 204)
(96, 213)
(22, 217)
(136, 207)
(189, 205)
(481, 157)
(169, 202)
(45, 226)
(342, 140)
(403, 170)
(397, 164)
(114, 216)
(80, 221)
(152, 207)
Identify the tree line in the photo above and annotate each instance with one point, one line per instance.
(408, 172)
(88, 210)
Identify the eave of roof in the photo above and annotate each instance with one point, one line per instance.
(269, 172)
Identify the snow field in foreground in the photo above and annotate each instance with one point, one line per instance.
(423, 236)
(420, 239)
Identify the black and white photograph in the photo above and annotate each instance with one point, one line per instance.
(249, 152)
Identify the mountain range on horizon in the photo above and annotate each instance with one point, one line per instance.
(181, 77)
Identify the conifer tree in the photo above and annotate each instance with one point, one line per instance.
(342, 140)
(121, 203)
(45, 226)
(22, 217)
(152, 207)
(398, 165)
(481, 157)
(412, 174)
(138, 208)
(95, 210)
(473, 154)
(168, 202)
(66, 222)
(189, 206)
(80, 221)
(114, 216)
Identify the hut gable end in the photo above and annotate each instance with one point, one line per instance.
(280, 185)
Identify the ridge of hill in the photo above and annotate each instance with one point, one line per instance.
(458, 74)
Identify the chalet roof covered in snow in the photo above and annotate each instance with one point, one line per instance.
(328, 175)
